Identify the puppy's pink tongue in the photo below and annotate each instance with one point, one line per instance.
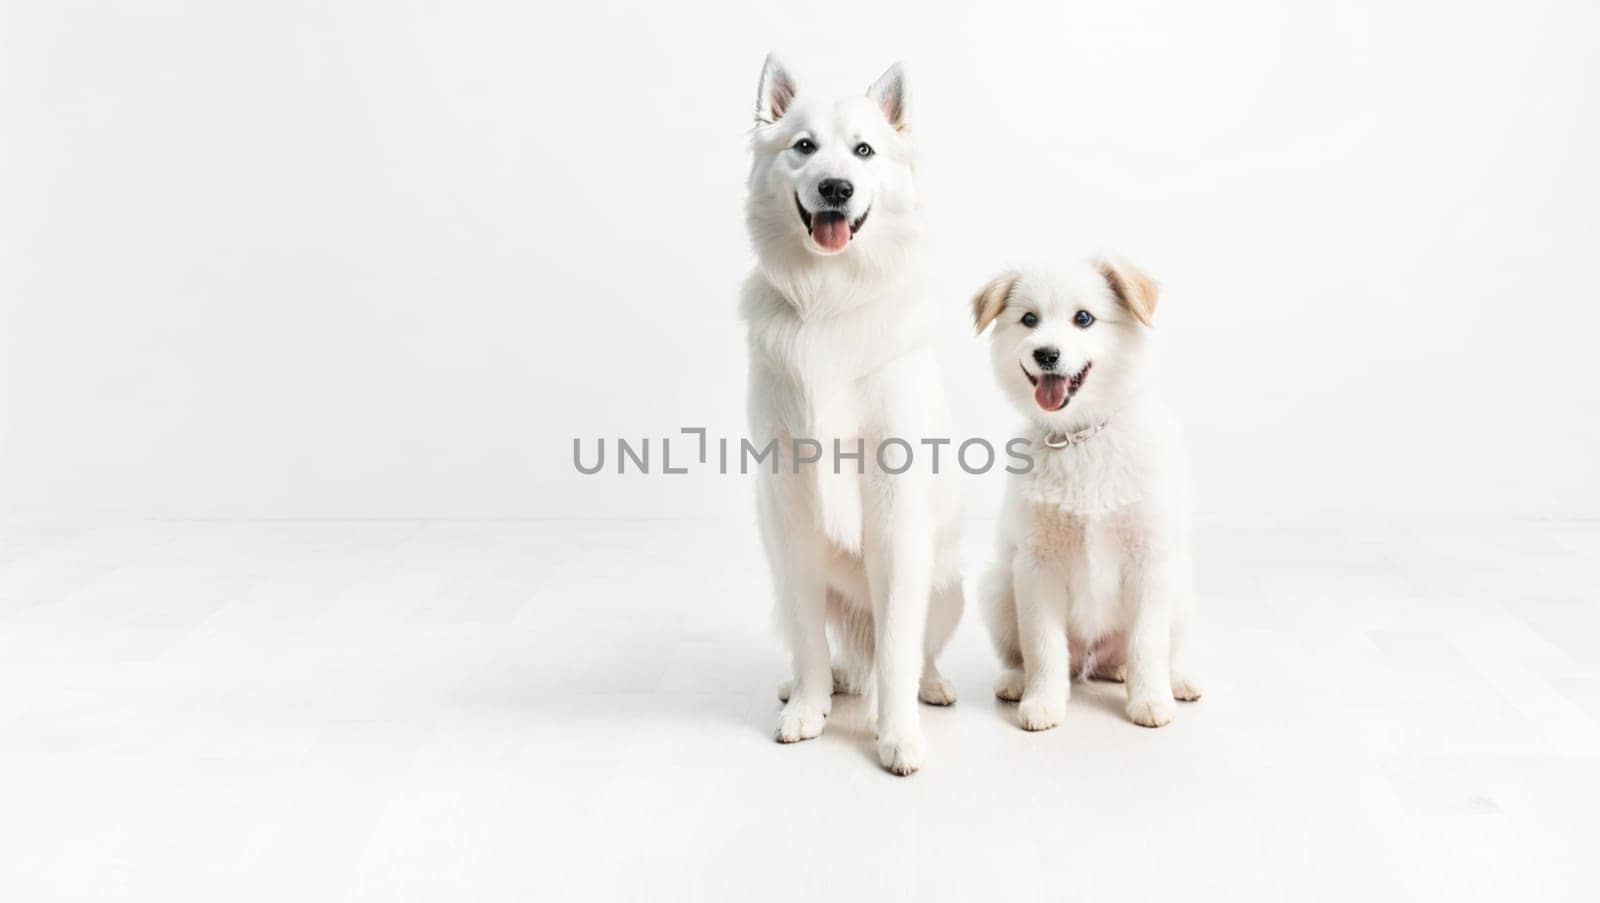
(1050, 392)
(830, 230)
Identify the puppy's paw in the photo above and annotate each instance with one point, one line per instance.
(1041, 713)
(1152, 712)
(1009, 686)
(800, 721)
(1185, 687)
(936, 690)
(902, 752)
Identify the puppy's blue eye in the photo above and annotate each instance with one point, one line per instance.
(806, 146)
(1030, 319)
(1082, 319)
(864, 150)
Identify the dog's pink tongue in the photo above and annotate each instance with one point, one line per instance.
(1050, 392)
(830, 230)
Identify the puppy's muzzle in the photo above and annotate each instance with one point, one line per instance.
(1052, 391)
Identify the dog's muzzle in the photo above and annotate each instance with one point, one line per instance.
(829, 228)
(1052, 391)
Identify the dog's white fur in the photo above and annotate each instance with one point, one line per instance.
(1093, 575)
(841, 349)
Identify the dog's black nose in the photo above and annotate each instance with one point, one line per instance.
(1047, 357)
(835, 191)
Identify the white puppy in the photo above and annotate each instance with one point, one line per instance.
(841, 353)
(1094, 569)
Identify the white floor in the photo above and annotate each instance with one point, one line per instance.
(582, 710)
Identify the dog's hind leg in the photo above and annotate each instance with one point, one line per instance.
(843, 682)
(853, 643)
(944, 612)
(852, 632)
(853, 628)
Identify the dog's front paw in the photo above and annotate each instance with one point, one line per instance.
(800, 721)
(1009, 686)
(1151, 712)
(936, 690)
(902, 752)
(1185, 687)
(1040, 713)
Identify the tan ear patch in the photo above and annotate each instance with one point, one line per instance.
(991, 299)
(1137, 292)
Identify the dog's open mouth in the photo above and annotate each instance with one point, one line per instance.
(1052, 391)
(828, 228)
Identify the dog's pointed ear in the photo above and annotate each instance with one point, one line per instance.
(991, 299)
(1136, 291)
(776, 91)
(892, 96)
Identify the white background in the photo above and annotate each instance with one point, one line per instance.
(376, 259)
(380, 261)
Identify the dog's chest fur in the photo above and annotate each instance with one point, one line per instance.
(1093, 552)
(1136, 455)
(1091, 508)
(825, 373)
(819, 352)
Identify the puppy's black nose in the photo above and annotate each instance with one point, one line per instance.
(835, 191)
(1047, 357)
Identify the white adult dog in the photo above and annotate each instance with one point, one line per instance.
(1094, 572)
(841, 353)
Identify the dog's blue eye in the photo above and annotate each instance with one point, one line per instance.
(1083, 318)
(864, 150)
(806, 146)
(1030, 320)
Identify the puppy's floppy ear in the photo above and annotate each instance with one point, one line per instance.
(776, 91)
(1137, 292)
(892, 96)
(991, 299)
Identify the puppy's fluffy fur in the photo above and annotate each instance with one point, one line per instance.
(1093, 575)
(840, 331)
